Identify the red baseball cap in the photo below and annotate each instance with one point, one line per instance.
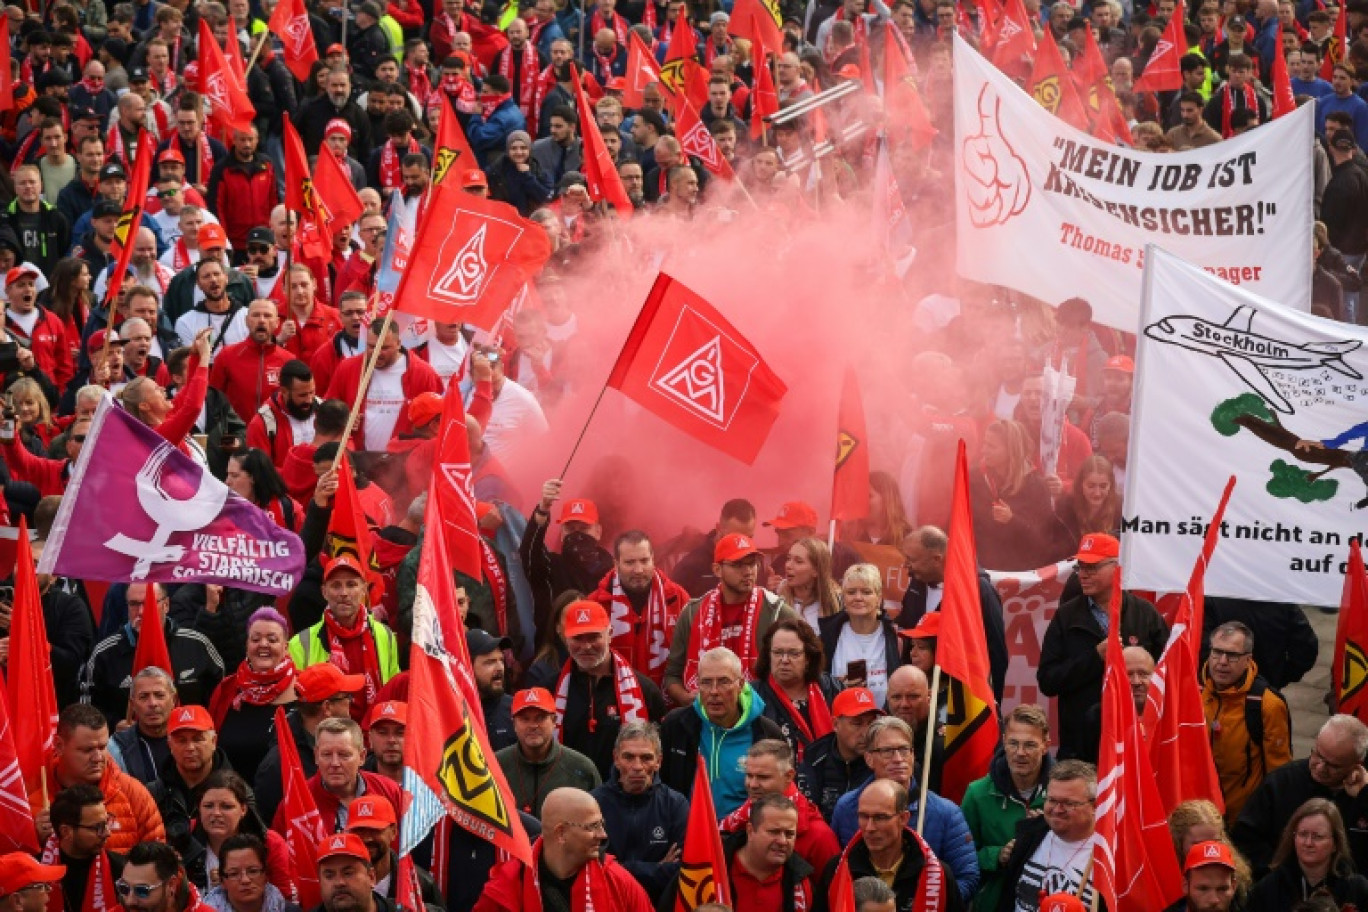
(338, 125)
(97, 341)
(538, 698)
(852, 702)
(347, 845)
(319, 682)
(190, 718)
(1209, 853)
(795, 515)
(388, 711)
(370, 812)
(424, 408)
(1062, 902)
(474, 178)
(210, 236)
(335, 48)
(344, 561)
(585, 616)
(615, 84)
(849, 71)
(733, 547)
(21, 271)
(19, 870)
(927, 628)
(171, 154)
(579, 510)
(1122, 363)
(1096, 548)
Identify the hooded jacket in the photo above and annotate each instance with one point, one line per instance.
(687, 730)
(992, 809)
(1241, 764)
(824, 776)
(642, 828)
(248, 373)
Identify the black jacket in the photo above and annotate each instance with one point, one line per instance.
(365, 47)
(680, 734)
(1261, 822)
(267, 784)
(76, 199)
(905, 881)
(1285, 646)
(694, 570)
(50, 240)
(914, 607)
(830, 634)
(427, 887)
(142, 757)
(1030, 834)
(313, 118)
(824, 777)
(226, 627)
(1281, 889)
(581, 563)
(106, 679)
(71, 635)
(1071, 669)
(1344, 207)
(642, 828)
(592, 719)
(498, 714)
(523, 190)
(178, 802)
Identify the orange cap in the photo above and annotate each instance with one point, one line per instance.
(347, 845)
(388, 711)
(795, 515)
(1096, 548)
(1209, 853)
(370, 812)
(733, 547)
(585, 616)
(538, 698)
(852, 702)
(190, 718)
(579, 510)
(344, 561)
(927, 628)
(1062, 902)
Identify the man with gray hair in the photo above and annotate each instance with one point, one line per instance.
(723, 721)
(1051, 851)
(873, 895)
(1333, 771)
(645, 818)
(140, 748)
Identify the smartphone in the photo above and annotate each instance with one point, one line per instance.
(857, 670)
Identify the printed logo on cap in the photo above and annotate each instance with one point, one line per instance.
(338, 842)
(577, 508)
(532, 694)
(388, 710)
(862, 697)
(185, 716)
(364, 810)
(1087, 543)
(582, 617)
(1212, 851)
(742, 542)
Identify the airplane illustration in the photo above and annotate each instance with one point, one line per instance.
(1249, 354)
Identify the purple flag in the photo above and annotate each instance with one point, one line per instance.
(138, 509)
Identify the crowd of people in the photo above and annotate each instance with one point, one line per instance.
(608, 655)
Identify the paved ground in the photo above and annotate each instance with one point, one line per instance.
(1306, 699)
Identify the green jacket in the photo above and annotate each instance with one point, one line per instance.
(310, 647)
(532, 782)
(992, 809)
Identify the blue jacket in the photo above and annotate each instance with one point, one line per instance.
(642, 828)
(945, 831)
(489, 136)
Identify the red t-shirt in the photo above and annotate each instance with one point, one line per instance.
(752, 893)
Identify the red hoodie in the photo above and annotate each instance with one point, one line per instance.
(248, 372)
(816, 843)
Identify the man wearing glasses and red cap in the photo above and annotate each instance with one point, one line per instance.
(25, 885)
(1071, 655)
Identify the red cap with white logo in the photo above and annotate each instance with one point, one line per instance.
(1209, 853)
(190, 718)
(538, 698)
(370, 812)
(345, 845)
(585, 617)
(852, 702)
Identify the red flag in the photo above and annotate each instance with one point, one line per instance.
(333, 188)
(1174, 721)
(304, 828)
(126, 234)
(290, 20)
(1134, 867)
(32, 699)
(470, 259)
(604, 181)
(702, 866)
(349, 529)
(683, 48)
(642, 70)
(1162, 72)
(1053, 87)
(6, 75)
(1284, 101)
(1109, 123)
(453, 149)
(764, 98)
(1349, 670)
(1014, 40)
(1334, 53)
(229, 106)
(99, 895)
(907, 118)
(233, 51)
(17, 832)
(685, 363)
(1088, 71)
(450, 755)
(850, 483)
(971, 729)
(990, 15)
(152, 651)
(758, 21)
(698, 143)
(841, 893)
(302, 198)
(453, 487)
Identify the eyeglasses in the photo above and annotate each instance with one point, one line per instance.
(1226, 655)
(596, 826)
(137, 891)
(40, 887)
(79, 438)
(258, 248)
(1067, 805)
(99, 829)
(792, 655)
(1023, 747)
(715, 684)
(890, 752)
(240, 873)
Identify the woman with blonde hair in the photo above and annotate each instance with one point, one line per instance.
(1011, 502)
(860, 642)
(807, 584)
(33, 414)
(1197, 821)
(1313, 858)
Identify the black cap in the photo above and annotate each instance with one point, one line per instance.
(1344, 141)
(137, 74)
(83, 112)
(480, 643)
(571, 179)
(113, 170)
(260, 235)
(106, 207)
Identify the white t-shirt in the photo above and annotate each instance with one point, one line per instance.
(26, 321)
(384, 400)
(192, 321)
(811, 612)
(516, 416)
(851, 647)
(301, 431)
(1055, 867)
(447, 360)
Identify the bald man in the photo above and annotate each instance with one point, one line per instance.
(1139, 670)
(909, 698)
(567, 851)
(248, 372)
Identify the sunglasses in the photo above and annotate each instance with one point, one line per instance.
(137, 891)
(258, 248)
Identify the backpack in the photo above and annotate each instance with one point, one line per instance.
(1253, 713)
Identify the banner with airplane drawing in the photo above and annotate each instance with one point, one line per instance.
(1229, 383)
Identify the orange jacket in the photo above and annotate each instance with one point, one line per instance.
(133, 815)
(1241, 765)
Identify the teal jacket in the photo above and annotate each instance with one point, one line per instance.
(724, 751)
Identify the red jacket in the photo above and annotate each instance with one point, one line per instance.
(276, 437)
(49, 476)
(508, 881)
(298, 471)
(243, 194)
(50, 346)
(419, 377)
(316, 332)
(625, 643)
(248, 373)
(325, 360)
(186, 408)
(816, 843)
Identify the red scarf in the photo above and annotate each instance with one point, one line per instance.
(1251, 102)
(592, 891)
(817, 709)
(262, 688)
(603, 63)
(631, 705)
(342, 639)
(462, 92)
(545, 83)
(711, 51)
(930, 885)
(707, 634)
(527, 75)
(648, 18)
(391, 170)
(180, 257)
(535, 28)
(647, 647)
(442, 26)
(420, 84)
(861, 28)
(488, 106)
(618, 25)
(93, 86)
(497, 584)
(99, 895)
(114, 148)
(738, 819)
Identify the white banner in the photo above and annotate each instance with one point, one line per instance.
(1046, 209)
(1228, 383)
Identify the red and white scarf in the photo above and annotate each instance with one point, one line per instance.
(497, 584)
(739, 819)
(99, 894)
(861, 26)
(205, 160)
(592, 891)
(391, 165)
(646, 648)
(707, 634)
(358, 635)
(1251, 102)
(489, 105)
(603, 63)
(545, 83)
(712, 51)
(180, 256)
(420, 84)
(817, 709)
(534, 29)
(262, 688)
(527, 74)
(618, 25)
(648, 18)
(116, 149)
(443, 27)
(930, 885)
(631, 704)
